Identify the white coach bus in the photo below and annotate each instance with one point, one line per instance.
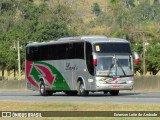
(79, 65)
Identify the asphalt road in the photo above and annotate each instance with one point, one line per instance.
(123, 97)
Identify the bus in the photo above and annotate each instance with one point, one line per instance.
(79, 65)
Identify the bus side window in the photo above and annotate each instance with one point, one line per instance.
(69, 53)
(36, 55)
(28, 54)
(79, 50)
(89, 58)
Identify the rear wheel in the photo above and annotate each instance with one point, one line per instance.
(114, 92)
(43, 89)
(81, 89)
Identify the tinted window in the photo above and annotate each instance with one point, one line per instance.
(32, 53)
(75, 51)
(28, 54)
(112, 48)
(55, 52)
(79, 50)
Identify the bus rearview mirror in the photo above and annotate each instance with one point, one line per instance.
(137, 60)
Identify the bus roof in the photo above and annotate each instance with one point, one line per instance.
(93, 39)
(89, 38)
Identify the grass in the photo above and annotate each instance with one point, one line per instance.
(55, 106)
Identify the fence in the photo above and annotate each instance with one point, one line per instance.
(13, 85)
(147, 83)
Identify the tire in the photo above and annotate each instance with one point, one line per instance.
(43, 89)
(71, 93)
(114, 92)
(81, 89)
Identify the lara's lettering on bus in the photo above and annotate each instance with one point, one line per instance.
(69, 67)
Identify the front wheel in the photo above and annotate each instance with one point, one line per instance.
(81, 89)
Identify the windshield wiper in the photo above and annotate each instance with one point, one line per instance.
(111, 67)
(113, 63)
(121, 67)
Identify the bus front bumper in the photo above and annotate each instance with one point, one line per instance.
(115, 87)
(103, 83)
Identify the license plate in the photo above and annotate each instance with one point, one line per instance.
(116, 86)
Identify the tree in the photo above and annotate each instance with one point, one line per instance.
(152, 58)
(57, 25)
(2, 58)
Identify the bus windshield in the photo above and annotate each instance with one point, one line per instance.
(114, 66)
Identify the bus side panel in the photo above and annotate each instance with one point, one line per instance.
(71, 71)
(74, 69)
(47, 70)
(56, 80)
(83, 73)
(59, 75)
(65, 68)
(80, 72)
(31, 82)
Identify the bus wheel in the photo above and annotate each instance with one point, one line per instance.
(43, 91)
(81, 89)
(114, 92)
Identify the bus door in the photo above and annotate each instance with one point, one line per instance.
(90, 66)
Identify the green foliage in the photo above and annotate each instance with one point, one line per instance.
(152, 58)
(114, 2)
(8, 6)
(96, 9)
(129, 3)
(8, 58)
(27, 21)
(31, 11)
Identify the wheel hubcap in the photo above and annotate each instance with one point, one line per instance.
(81, 88)
(42, 88)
